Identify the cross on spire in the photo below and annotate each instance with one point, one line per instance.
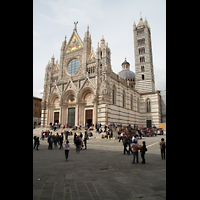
(75, 24)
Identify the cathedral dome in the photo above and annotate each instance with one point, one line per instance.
(126, 73)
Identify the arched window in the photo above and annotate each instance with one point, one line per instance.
(138, 104)
(123, 99)
(131, 102)
(148, 105)
(113, 96)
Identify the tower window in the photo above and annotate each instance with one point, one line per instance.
(142, 59)
(140, 32)
(141, 42)
(142, 76)
(142, 50)
(142, 68)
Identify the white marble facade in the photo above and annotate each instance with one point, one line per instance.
(82, 88)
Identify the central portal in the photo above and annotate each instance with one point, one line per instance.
(71, 117)
(88, 117)
(56, 117)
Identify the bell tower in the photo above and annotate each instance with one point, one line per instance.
(144, 73)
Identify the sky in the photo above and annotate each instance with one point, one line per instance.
(112, 19)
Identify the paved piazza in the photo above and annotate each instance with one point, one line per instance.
(101, 172)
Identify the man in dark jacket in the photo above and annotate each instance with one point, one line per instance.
(78, 144)
(125, 143)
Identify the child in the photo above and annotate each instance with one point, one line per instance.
(67, 145)
(142, 151)
(162, 148)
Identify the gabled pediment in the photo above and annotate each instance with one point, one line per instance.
(70, 85)
(91, 58)
(74, 43)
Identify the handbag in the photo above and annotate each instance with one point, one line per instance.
(137, 147)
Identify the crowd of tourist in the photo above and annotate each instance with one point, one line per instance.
(129, 136)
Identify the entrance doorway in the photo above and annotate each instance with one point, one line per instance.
(71, 117)
(56, 117)
(148, 123)
(88, 117)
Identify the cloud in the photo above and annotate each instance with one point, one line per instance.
(86, 11)
(37, 93)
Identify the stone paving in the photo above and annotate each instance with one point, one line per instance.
(101, 172)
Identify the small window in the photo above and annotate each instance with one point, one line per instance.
(142, 76)
(142, 59)
(142, 68)
(142, 50)
(141, 42)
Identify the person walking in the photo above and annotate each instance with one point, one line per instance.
(37, 143)
(125, 143)
(142, 151)
(129, 144)
(35, 138)
(67, 145)
(61, 141)
(85, 141)
(135, 147)
(162, 148)
(50, 141)
(78, 144)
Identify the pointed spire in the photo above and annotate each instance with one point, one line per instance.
(102, 41)
(141, 23)
(52, 59)
(75, 23)
(134, 26)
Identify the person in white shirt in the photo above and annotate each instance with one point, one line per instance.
(135, 147)
(67, 145)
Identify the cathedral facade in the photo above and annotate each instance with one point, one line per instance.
(82, 88)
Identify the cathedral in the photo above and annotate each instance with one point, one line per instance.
(83, 89)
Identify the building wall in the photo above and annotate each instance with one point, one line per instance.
(36, 110)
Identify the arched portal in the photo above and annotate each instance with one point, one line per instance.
(87, 108)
